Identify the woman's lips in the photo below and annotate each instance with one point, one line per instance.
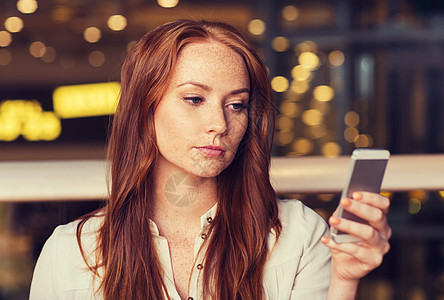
(211, 150)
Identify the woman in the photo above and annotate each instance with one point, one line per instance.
(192, 213)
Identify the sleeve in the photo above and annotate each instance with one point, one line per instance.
(46, 281)
(313, 277)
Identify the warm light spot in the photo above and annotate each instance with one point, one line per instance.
(309, 60)
(5, 57)
(14, 24)
(92, 34)
(26, 118)
(351, 119)
(326, 197)
(285, 123)
(86, 100)
(363, 141)
(61, 14)
(285, 137)
(45, 127)
(256, 27)
(27, 6)
(289, 109)
(323, 93)
(300, 73)
(50, 55)
(168, 3)
(299, 87)
(117, 22)
(441, 194)
(418, 194)
(5, 39)
(307, 46)
(317, 131)
(280, 44)
(290, 13)
(279, 84)
(312, 117)
(331, 149)
(414, 206)
(336, 58)
(303, 146)
(96, 58)
(37, 49)
(350, 134)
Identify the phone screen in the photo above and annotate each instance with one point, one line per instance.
(367, 176)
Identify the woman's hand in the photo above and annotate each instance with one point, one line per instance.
(352, 261)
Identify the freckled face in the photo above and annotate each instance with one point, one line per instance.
(202, 117)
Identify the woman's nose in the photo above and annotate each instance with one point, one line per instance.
(217, 121)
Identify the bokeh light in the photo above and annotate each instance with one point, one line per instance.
(323, 93)
(117, 22)
(363, 141)
(285, 123)
(303, 146)
(5, 38)
(50, 55)
(307, 46)
(279, 84)
(37, 49)
(92, 34)
(351, 119)
(300, 73)
(5, 57)
(285, 137)
(312, 117)
(309, 60)
(414, 206)
(167, 3)
(27, 6)
(331, 149)
(96, 58)
(299, 87)
(280, 44)
(350, 134)
(256, 27)
(336, 58)
(289, 109)
(14, 24)
(290, 13)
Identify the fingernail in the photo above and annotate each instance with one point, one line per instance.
(357, 196)
(345, 202)
(334, 221)
(324, 239)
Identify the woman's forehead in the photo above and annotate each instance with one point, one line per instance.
(205, 59)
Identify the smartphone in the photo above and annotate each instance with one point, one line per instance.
(367, 168)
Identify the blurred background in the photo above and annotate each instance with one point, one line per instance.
(346, 74)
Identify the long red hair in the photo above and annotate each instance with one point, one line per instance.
(247, 204)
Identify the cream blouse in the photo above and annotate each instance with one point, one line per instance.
(298, 266)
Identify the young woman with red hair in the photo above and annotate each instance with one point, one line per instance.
(191, 212)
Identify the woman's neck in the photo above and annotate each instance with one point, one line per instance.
(180, 199)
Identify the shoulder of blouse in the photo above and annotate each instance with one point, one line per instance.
(302, 229)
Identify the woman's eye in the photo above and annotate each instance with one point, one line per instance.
(193, 100)
(238, 106)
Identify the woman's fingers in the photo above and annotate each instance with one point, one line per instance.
(369, 257)
(373, 199)
(368, 234)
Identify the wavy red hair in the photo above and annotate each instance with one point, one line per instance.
(247, 204)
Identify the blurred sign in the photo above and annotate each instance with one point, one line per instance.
(86, 100)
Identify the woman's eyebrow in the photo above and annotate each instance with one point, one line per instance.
(202, 86)
(207, 88)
